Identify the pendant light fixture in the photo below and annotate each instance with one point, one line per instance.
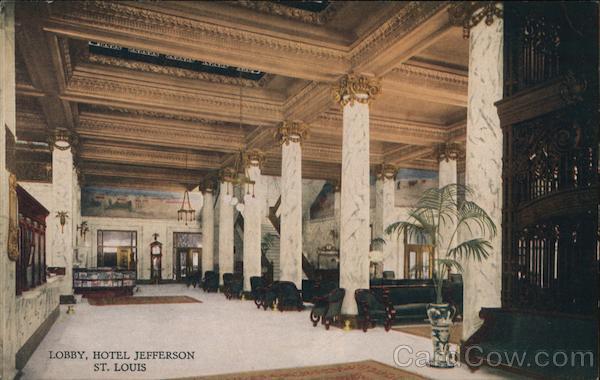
(186, 212)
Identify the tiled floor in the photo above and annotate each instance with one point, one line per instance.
(225, 336)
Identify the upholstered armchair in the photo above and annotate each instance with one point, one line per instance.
(327, 308)
(372, 309)
(210, 282)
(235, 288)
(289, 297)
(227, 278)
(257, 290)
(269, 295)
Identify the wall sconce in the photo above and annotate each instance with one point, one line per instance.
(62, 215)
(83, 229)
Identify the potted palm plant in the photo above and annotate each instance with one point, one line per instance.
(436, 220)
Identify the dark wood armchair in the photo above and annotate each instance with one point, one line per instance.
(211, 281)
(327, 308)
(372, 309)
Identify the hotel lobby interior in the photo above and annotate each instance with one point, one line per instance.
(299, 190)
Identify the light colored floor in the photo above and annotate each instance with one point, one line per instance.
(226, 336)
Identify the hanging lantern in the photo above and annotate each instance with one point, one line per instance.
(186, 212)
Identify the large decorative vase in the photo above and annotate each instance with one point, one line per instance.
(440, 317)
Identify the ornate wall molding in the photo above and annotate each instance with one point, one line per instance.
(291, 131)
(469, 14)
(357, 88)
(176, 71)
(273, 8)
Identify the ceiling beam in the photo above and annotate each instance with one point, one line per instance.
(147, 156)
(161, 132)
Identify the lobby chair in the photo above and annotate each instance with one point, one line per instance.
(227, 278)
(327, 308)
(257, 290)
(289, 297)
(372, 310)
(211, 281)
(389, 275)
(236, 287)
(270, 295)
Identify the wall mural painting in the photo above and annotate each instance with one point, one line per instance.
(324, 204)
(131, 203)
(410, 184)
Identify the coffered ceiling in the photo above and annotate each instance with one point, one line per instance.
(155, 100)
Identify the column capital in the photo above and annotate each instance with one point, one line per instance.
(291, 131)
(254, 158)
(207, 185)
(227, 174)
(63, 139)
(448, 151)
(359, 88)
(386, 171)
(469, 14)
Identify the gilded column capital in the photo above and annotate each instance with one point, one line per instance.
(254, 158)
(63, 139)
(448, 151)
(386, 171)
(227, 175)
(469, 14)
(357, 88)
(291, 131)
(207, 185)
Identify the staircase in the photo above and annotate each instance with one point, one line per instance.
(267, 262)
(307, 267)
(273, 253)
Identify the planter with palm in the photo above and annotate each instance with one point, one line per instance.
(436, 220)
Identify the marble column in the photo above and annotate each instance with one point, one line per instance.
(483, 173)
(253, 216)
(225, 226)
(447, 155)
(385, 215)
(354, 94)
(208, 226)
(62, 216)
(8, 318)
(337, 209)
(291, 134)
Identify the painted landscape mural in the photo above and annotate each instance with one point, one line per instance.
(131, 203)
(410, 184)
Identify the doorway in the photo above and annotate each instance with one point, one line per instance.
(187, 256)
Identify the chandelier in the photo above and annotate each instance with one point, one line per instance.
(186, 212)
(238, 184)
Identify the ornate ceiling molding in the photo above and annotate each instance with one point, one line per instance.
(407, 19)
(192, 136)
(136, 20)
(273, 8)
(434, 75)
(80, 88)
(148, 156)
(175, 71)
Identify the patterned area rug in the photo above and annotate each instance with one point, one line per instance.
(365, 370)
(425, 331)
(147, 300)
